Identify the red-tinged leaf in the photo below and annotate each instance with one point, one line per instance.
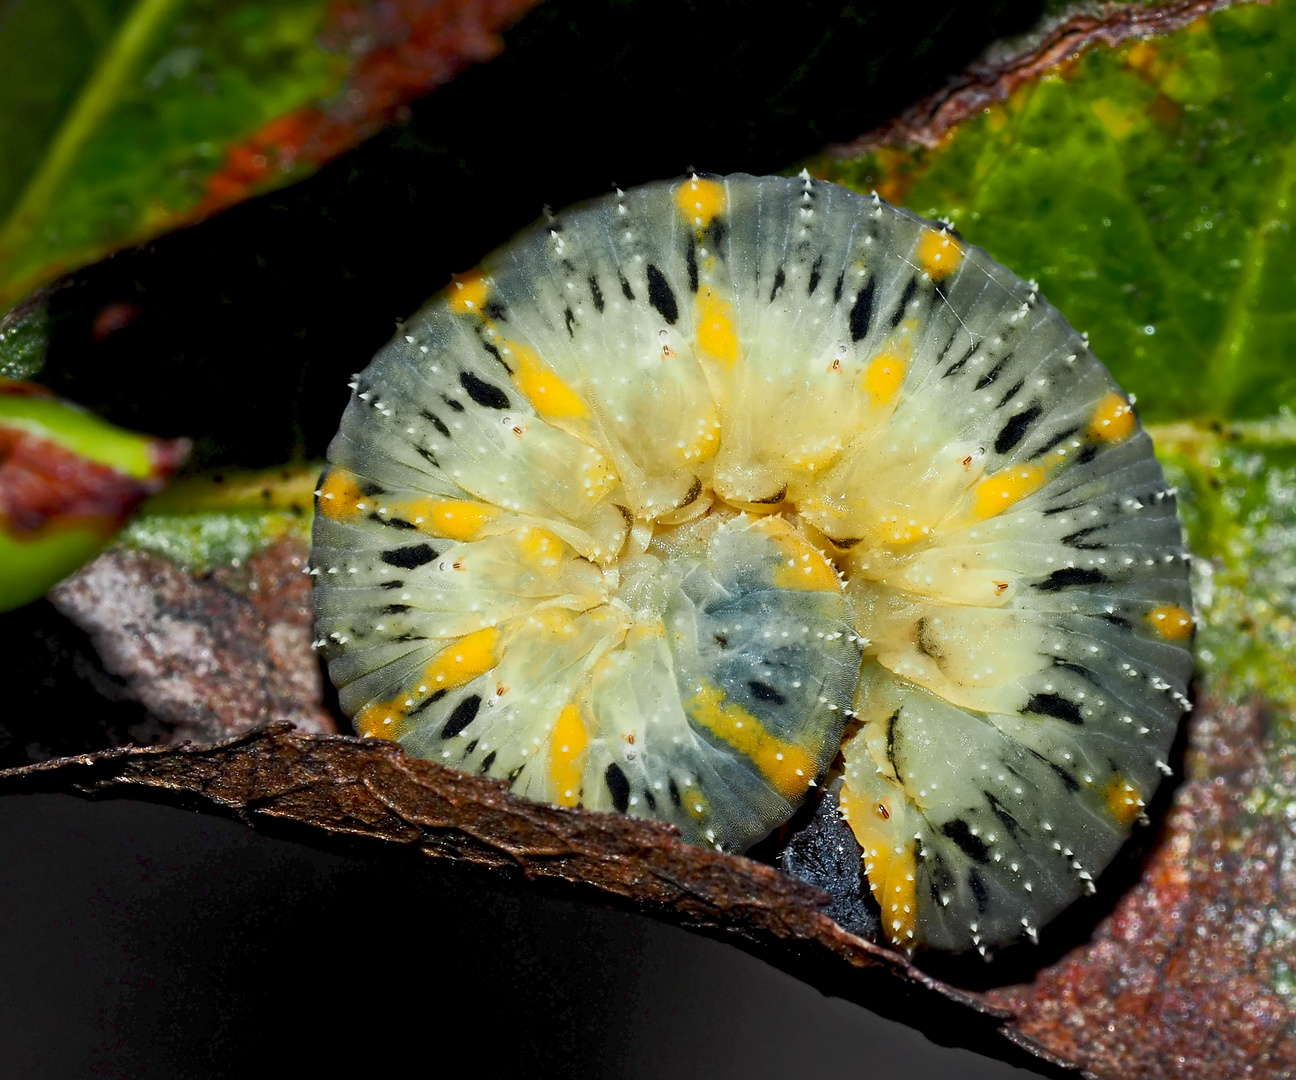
(122, 123)
(68, 483)
(401, 50)
(40, 483)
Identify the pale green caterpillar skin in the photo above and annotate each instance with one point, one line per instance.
(636, 514)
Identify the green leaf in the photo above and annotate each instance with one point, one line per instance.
(1237, 488)
(204, 522)
(1149, 189)
(136, 103)
(120, 119)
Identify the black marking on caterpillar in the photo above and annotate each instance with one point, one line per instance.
(1056, 706)
(770, 500)
(487, 395)
(1075, 669)
(971, 845)
(764, 692)
(861, 312)
(435, 421)
(891, 741)
(715, 234)
(495, 354)
(991, 375)
(429, 701)
(1015, 429)
(906, 298)
(661, 295)
(1001, 812)
(464, 714)
(1071, 577)
(1055, 441)
(780, 279)
(618, 786)
(1077, 539)
(1011, 393)
(955, 366)
(978, 886)
(1068, 781)
(391, 522)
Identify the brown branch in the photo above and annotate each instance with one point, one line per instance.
(337, 790)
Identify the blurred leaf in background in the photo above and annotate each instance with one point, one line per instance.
(68, 482)
(120, 119)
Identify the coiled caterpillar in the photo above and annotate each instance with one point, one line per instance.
(683, 486)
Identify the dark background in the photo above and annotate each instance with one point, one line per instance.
(143, 941)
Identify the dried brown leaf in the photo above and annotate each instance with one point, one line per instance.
(336, 789)
(215, 655)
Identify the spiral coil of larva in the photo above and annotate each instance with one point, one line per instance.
(684, 485)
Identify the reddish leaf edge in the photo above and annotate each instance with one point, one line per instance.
(336, 791)
(397, 52)
(997, 76)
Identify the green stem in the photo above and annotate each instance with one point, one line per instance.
(1224, 366)
(97, 97)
